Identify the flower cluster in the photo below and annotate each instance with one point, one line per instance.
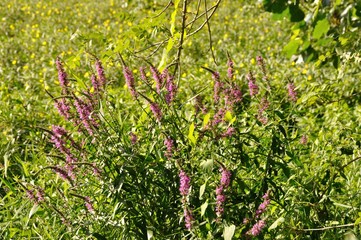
(129, 79)
(260, 223)
(88, 204)
(292, 92)
(171, 88)
(62, 76)
(263, 106)
(169, 143)
(157, 78)
(36, 198)
(220, 195)
(253, 88)
(218, 85)
(184, 186)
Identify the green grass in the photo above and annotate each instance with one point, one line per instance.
(34, 33)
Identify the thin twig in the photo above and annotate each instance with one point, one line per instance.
(209, 33)
(164, 9)
(330, 227)
(196, 16)
(208, 18)
(180, 46)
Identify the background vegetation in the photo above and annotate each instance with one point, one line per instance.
(305, 156)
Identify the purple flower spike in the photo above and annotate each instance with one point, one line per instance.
(62, 173)
(184, 183)
(171, 88)
(62, 76)
(220, 195)
(188, 218)
(95, 83)
(156, 111)
(30, 194)
(230, 68)
(88, 204)
(218, 117)
(129, 79)
(257, 228)
(263, 206)
(292, 92)
(253, 88)
(157, 78)
(40, 195)
(133, 138)
(218, 85)
(230, 131)
(63, 108)
(303, 140)
(143, 75)
(85, 114)
(100, 71)
(169, 143)
(226, 177)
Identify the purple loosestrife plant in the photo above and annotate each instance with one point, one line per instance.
(133, 138)
(171, 88)
(100, 70)
(57, 139)
(263, 106)
(257, 228)
(85, 115)
(233, 95)
(230, 68)
(218, 86)
(157, 112)
(184, 186)
(62, 76)
(61, 172)
(88, 204)
(253, 88)
(304, 140)
(157, 78)
(220, 195)
(218, 117)
(95, 83)
(129, 79)
(169, 143)
(263, 206)
(292, 92)
(63, 108)
(188, 218)
(143, 75)
(184, 183)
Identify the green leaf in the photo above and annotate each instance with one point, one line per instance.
(170, 44)
(202, 189)
(276, 223)
(6, 164)
(191, 137)
(206, 119)
(163, 61)
(350, 236)
(33, 210)
(7, 184)
(297, 14)
(321, 28)
(229, 232)
(203, 208)
(291, 48)
(207, 165)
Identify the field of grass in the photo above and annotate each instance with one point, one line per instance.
(293, 162)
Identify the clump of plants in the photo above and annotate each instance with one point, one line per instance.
(169, 165)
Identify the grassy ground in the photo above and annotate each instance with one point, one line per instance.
(34, 33)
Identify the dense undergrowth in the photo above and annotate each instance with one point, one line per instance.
(223, 138)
